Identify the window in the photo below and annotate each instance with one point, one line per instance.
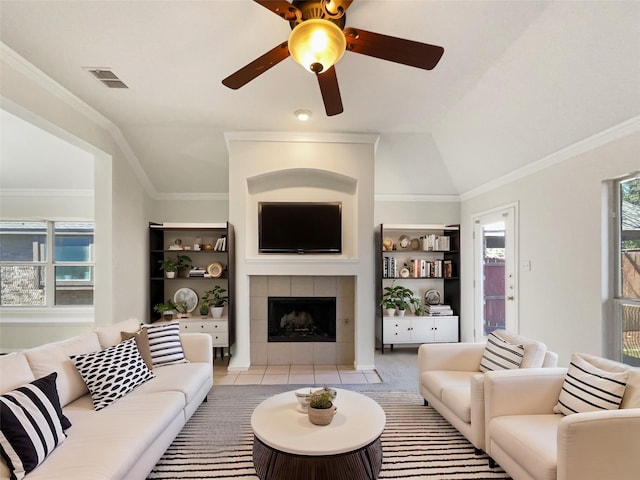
(31, 276)
(627, 297)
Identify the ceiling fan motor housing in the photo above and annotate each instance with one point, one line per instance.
(317, 9)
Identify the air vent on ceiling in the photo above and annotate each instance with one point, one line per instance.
(107, 77)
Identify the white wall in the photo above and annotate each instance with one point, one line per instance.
(561, 234)
(304, 168)
(121, 204)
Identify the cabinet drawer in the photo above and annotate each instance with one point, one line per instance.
(220, 339)
(204, 326)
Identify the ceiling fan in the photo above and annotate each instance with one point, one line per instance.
(318, 40)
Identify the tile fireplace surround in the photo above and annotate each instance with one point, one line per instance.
(340, 352)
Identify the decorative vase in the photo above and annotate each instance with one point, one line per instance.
(216, 312)
(321, 416)
(170, 274)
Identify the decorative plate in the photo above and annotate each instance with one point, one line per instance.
(432, 297)
(215, 269)
(403, 241)
(187, 295)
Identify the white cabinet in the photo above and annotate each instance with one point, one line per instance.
(218, 330)
(411, 329)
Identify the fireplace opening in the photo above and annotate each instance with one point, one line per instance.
(302, 319)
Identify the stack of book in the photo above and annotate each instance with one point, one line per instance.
(438, 310)
(221, 244)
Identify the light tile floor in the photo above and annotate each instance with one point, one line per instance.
(292, 374)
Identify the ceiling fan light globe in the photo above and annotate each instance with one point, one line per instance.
(317, 44)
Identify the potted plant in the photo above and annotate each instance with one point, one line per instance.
(216, 299)
(184, 265)
(397, 297)
(321, 408)
(181, 307)
(204, 309)
(165, 309)
(170, 267)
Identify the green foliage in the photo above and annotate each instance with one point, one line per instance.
(204, 308)
(181, 307)
(397, 296)
(169, 265)
(165, 307)
(215, 297)
(321, 399)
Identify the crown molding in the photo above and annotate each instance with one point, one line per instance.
(33, 73)
(418, 198)
(199, 197)
(301, 137)
(46, 192)
(611, 134)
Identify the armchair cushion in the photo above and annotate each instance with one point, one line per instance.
(587, 388)
(500, 354)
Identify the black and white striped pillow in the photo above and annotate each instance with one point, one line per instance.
(113, 372)
(31, 425)
(164, 344)
(500, 355)
(587, 388)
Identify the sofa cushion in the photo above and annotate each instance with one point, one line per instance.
(142, 342)
(164, 343)
(110, 335)
(54, 357)
(436, 381)
(534, 351)
(458, 399)
(530, 441)
(110, 443)
(113, 372)
(31, 423)
(15, 371)
(500, 354)
(187, 378)
(587, 388)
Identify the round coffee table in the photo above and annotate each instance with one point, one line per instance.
(287, 445)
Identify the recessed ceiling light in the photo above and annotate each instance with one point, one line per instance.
(302, 115)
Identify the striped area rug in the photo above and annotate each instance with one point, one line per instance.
(417, 442)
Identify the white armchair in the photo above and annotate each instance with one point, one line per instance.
(531, 442)
(451, 382)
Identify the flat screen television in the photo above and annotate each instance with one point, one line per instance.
(299, 227)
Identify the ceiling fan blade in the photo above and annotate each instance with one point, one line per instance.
(282, 8)
(393, 49)
(328, 82)
(257, 67)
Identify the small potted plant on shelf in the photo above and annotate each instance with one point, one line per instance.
(397, 297)
(184, 265)
(204, 309)
(165, 309)
(170, 267)
(321, 408)
(181, 307)
(216, 299)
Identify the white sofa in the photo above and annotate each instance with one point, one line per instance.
(126, 439)
(450, 380)
(532, 442)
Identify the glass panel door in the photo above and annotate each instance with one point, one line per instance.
(495, 280)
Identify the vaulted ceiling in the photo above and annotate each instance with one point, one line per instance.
(519, 80)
